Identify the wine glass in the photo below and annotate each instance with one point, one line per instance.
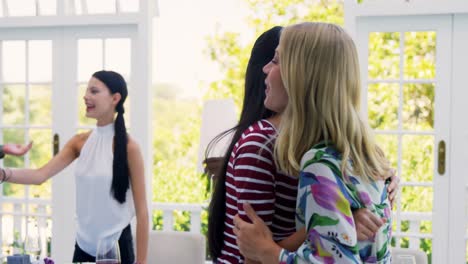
(32, 244)
(108, 252)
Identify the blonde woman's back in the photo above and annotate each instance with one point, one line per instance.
(326, 198)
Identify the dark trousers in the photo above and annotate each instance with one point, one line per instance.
(127, 255)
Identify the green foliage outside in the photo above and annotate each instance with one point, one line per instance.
(176, 180)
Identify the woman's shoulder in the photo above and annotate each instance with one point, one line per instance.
(76, 143)
(320, 153)
(80, 138)
(260, 130)
(258, 135)
(132, 145)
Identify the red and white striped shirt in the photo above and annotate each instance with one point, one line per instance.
(252, 177)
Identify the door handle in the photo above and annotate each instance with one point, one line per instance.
(56, 144)
(441, 157)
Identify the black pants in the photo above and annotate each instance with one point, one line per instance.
(127, 255)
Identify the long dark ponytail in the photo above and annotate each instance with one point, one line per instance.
(252, 110)
(120, 171)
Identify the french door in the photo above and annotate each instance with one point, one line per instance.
(412, 96)
(43, 76)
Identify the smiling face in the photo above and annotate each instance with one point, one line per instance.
(100, 103)
(276, 97)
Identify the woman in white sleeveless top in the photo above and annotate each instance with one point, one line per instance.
(110, 184)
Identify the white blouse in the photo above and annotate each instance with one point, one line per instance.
(99, 215)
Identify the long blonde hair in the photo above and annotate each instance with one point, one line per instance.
(320, 71)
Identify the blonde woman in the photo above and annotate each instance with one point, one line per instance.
(323, 138)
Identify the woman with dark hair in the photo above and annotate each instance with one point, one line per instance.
(249, 172)
(221, 242)
(110, 181)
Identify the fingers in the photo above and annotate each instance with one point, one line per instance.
(375, 222)
(367, 224)
(394, 181)
(393, 187)
(29, 146)
(238, 223)
(363, 233)
(392, 195)
(250, 212)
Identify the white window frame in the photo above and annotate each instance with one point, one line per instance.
(453, 218)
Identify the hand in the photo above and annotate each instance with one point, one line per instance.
(16, 149)
(294, 241)
(255, 240)
(367, 224)
(393, 187)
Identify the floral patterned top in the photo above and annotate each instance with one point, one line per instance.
(325, 200)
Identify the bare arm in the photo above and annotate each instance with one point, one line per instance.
(137, 173)
(293, 241)
(367, 225)
(51, 168)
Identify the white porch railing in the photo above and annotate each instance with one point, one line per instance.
(413, 234)
(16, 213)
(168, 209)
(18, 216)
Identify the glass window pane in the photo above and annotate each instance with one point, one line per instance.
(7, 223)
(14, 61)
(48, 7)
(82, 119)
(89, 58)
(416, 199)
(40, 108)
(389, 145)
(13, 136)
(101, 6)
(13, 104)
(176, 157)
(417, 158)
(384, 55)
(383, 106)
(129, 5)
(420, 55)
(40, 61)
(418, 106)
(117, 56)
(22, 8)
(39, 155)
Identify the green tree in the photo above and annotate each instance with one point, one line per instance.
(225, 49)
